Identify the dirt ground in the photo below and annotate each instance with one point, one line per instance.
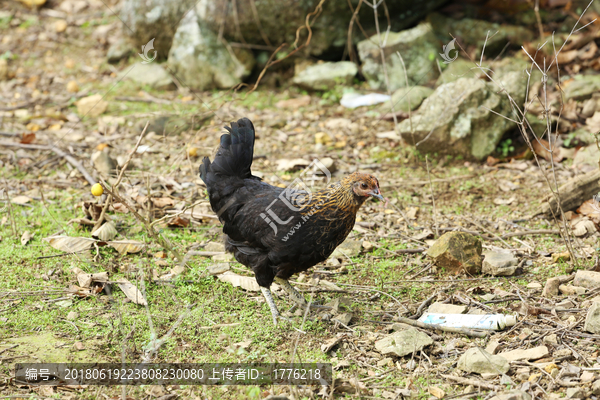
(46, 314)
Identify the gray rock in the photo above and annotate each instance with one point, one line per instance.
(534, 353)
(441, 308)
(457, 252)
(418, 47)
(499, 264)
(551, 339)
(326, 76)
(588, 155)
(481, 362)
(492, 347)
(456, 118)
(534, 285)
(276, 21)
(118, 51)
(473, 33)
(575, 393)
(582, 87)
(589, 107)
(587, 279)
(403, 342)
(596, 388)
(562, 353)
(200, 60)
(218, 268)
(150, 19)
(512, 395)
(344, 318)
(459, 68)
(551, 287)
(152, 74)
(592, 320)
(406, 99)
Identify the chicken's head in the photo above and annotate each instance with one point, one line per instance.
(365, 185)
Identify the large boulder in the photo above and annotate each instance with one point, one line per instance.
(201, 61)
(472, 33)
(145, 20)
(418, 48)
(273, 22)
(464, 117)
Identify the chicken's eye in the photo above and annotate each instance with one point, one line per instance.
(363, 185)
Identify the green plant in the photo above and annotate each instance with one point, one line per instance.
(505, 147)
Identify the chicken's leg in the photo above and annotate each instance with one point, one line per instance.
(269, 298)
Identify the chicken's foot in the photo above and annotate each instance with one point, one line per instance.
(292, 292)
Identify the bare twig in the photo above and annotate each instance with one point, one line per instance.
(464, 331)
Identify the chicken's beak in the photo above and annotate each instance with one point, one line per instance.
(375, 193)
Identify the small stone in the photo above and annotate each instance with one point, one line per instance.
(534, 286)
(499, 264)
(214, 246)
(72, 316)
(551, 287)
(104, 163)
(480, 361)
(570, 290)
(60, 26)
(72, 87)
(78, 346)
(562, 353)
(384, 362)
(436, 391)
(153, 75)
(344, 318)
(322, 138)
(596, 388)
(492, 347)
(329, 164)
(403, 342)
(575, 393)
(529, 354)
(587, 376)
(522, 374)
(368, 246)
(442, 308)
(587, 279)
(456, 253)
(349, 248)
(91, 106)
(512, 395)
(118, 51)
(551, 339)
(592, 320)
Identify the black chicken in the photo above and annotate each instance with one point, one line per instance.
(278, 232)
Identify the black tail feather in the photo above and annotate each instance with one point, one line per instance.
(235, 153)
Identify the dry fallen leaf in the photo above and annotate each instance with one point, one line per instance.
(178, 221)
(20, 200)
(132, 292)
(542, 149)
(591, 209)
(28, 138)
(26, 238)
(294, 103)
(245, 282)
(161, 202)
(70, 244)
(126, 246)
(106, 232)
